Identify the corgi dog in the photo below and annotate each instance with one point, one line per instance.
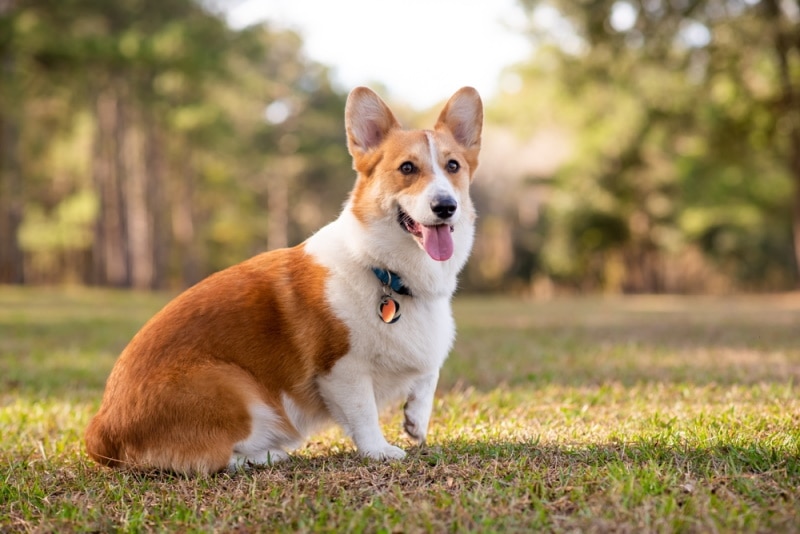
(241, 368)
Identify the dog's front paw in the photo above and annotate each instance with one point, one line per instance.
(387, 452)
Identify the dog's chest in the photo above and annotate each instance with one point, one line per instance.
(420, 338)
(397, 355)
(417, 342)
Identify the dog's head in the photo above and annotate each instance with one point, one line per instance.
(414, 184)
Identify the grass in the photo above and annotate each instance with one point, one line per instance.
(649, 414)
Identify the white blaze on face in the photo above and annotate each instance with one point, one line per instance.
(435, 237)
(441, 186)
(432, 231)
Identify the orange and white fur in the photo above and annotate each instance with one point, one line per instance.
(242, 367)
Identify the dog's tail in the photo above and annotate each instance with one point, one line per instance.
(100, 444)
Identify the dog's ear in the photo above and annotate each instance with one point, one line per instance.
(463, 117)
(367, 120)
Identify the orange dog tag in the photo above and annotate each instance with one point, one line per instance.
(389, 310)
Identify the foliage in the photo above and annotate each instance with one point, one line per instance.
(637, 413)
(679, 151)
(646, 146)
(150, 118)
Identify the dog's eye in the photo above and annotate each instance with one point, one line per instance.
(453, 166)
(407, 168)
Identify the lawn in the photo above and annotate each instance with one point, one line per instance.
(583, 414)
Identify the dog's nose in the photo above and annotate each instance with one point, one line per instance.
(444, 207)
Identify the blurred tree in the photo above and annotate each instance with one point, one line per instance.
(84, 59)
(134, 138)
(11, 259)
(684, 117)
(784, 22)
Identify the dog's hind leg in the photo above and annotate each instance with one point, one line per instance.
(267, 440)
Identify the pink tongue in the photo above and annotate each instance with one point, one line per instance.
(437, 241)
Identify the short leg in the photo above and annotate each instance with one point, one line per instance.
(419, 406)
(349, 395)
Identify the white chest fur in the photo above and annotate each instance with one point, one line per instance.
(386, 362)
(420, 340)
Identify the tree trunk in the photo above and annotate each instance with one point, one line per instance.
(787, 42)
(157, 203)
(796, 208)
(184, 224)
(139, 220)
(283, 172)
(110, 250)
(11, 257)
(277, 210)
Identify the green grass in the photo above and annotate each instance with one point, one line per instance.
(585, 414)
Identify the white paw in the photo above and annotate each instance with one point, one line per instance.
(387, 452)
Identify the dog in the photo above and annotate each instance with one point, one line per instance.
(239, 369)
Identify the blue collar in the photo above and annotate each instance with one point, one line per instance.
(393, 280)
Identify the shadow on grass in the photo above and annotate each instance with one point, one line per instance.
(490, 486)
(752, 472)
(478, 461)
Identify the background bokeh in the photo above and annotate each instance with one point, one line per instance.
(629, 147)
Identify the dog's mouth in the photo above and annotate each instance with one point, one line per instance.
(435, 240)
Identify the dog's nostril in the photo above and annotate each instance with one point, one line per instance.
(444, 207)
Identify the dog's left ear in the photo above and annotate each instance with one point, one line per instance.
(463, 117)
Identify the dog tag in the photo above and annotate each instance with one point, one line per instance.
(389, 310)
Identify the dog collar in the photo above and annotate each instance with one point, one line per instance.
(392, 280)
(388, 307)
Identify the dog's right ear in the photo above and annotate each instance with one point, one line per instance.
(367, 120)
